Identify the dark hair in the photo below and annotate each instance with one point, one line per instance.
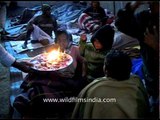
(118, 65)
(98, 3)
(45, 7)
(60, 31)
(105, 35)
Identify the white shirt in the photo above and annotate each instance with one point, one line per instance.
(39, 34)
(5, 58)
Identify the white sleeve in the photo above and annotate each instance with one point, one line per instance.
(5, 58)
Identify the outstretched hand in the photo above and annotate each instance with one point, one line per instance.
(83, 37)
(151, 39)
(24, 66)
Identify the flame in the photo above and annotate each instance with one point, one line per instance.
(54, 56)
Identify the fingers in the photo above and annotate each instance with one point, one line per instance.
(155, 31)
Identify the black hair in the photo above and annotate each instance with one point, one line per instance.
(117, 65)
(46, 7)
(61, 31)
(98, 3)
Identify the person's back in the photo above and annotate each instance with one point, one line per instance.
(118, 94)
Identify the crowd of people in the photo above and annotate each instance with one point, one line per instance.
(104, 72)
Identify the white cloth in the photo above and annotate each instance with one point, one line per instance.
(39, 34)
(122, 40)
(5, 58)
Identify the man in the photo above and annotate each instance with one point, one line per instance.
(8, 60)
(144, 26)
(41, 27)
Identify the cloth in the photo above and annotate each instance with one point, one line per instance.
(87, 23)
(130, 95)
(5, 58)
(47, 24)
(122, 41)
(97, 14)
(39, 34)
(47, 85)
(137, 64)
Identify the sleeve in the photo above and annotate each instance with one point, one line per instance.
(82, 46)
(5, 58)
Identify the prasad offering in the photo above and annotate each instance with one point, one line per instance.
(52, 61)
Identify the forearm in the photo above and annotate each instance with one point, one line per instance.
(6, 58)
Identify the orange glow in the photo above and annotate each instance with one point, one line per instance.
(54, 56)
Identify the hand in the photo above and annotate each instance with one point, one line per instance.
(83, 37)
(151, 39)
(24, 66)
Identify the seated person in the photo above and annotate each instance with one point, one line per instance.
(64, 41)
(121, 95)
(66, 82)
(94, 52)
(93, 17)
(41, 27)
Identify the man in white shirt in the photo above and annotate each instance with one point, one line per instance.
(8, 60)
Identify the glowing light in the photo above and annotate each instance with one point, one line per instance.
(54, 56)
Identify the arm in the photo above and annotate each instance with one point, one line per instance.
(6, 58)
(83, 62)
(152, 39)
(82, 44)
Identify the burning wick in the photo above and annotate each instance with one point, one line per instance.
(54, 55)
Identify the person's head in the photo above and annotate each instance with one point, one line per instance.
(46, 10)
(95, 4)
(63, 38)
(103, 38)
(117, 65)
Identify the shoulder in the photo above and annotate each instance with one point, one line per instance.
(75, 48)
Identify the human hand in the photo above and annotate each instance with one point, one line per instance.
(24, 66)
(151, 39)
(83, 37)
